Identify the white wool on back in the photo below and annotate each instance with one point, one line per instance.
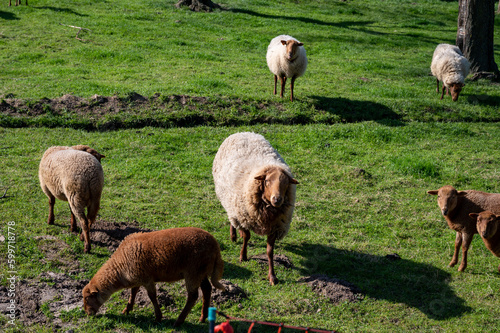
(449, 64)
(277, 62)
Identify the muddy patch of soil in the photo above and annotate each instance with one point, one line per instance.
(111, 234)
(57, 252)
(233, 293)
(279, 260)
(42, 300)
(338, 291)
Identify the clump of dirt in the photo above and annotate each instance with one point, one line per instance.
(41, 300)
(338, 291)
(111, 234)
(279, 260)
(233, 293)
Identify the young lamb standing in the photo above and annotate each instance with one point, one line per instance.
(286, 58)
(488, 229)
(456, 207)
(73, 174)
(167, 255)
(256, 188)
(450, 66)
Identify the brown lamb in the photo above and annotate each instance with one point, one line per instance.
(73, 174)
(456, 207)
(487, 227)
(167, 255)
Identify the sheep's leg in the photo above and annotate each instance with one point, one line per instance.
(206, 289)
(52, 202)
(437, 84)
(245, 234)
(271, 239)
(291, 88)
(467, 239)
(84, 224)
(275, 83)
(92, 212)
(151, 289)
(190, 302)
(131, 300)
(73, 228)
(458, 243)
(283, 82)
(232, 233)
(442, 93)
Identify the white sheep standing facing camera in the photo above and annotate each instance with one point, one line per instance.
(286, 58)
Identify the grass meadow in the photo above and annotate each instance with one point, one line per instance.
(366, 138)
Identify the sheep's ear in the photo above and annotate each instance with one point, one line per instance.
(300, 44)
(102, 156)
(93, 290)
(293, 181)
(474, 215)
(283, 42)
(261, 177)
(461, 193)
(434, 192)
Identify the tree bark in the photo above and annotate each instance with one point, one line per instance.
(476, 22)
(198, 5)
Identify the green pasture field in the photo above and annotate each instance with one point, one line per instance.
(366, 138)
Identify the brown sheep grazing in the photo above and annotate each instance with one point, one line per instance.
(487, 227)
(456, 207)
(167, 255)
(256, 188)
(73, 174)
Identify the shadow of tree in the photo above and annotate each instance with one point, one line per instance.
(354, 111)
(8, 16)
(64, 10)
(417, 285)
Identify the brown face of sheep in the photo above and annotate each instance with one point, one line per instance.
(275, 185)
(91, 300)
(487, 223)
(455, 90)
(447, 198)
(291, 48)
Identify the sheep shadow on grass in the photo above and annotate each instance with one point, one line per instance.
(354, 111)
(395, 279)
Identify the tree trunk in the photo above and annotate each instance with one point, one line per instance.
(198, 5)
(476, 22)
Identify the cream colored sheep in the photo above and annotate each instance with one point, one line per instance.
(489, 230)
(450, 66)
(256, 188)
(456, 207)
(73, 174)
(168, 255)
(286, 58)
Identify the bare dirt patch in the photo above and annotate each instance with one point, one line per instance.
(111, 234)
(57, 252)
(233, 293)
(338, 291)
(279, 260)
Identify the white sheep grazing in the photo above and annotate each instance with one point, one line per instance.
(286, 58)
(450, 66)
(256, 188)
(73, 174)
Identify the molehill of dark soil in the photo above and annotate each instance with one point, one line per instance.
(111, 234)
(338, 291)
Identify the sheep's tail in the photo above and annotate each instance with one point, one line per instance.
(217, 272)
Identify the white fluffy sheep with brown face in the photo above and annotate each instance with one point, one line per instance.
(142, 259)
(73, 174)
(451, 67)
(286, 58)
(256, 188)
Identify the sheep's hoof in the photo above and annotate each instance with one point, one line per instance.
(273, 280)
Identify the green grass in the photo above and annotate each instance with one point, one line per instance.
(346, 220)
(366, 138)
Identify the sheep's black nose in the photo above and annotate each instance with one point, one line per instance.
(276, 201)
(445, 211)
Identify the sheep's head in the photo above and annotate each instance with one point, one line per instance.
(447, 198)
(455, 89)
(487, 223)
(89, 150)
(92, 299)
(274, 184)
(291, 48)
